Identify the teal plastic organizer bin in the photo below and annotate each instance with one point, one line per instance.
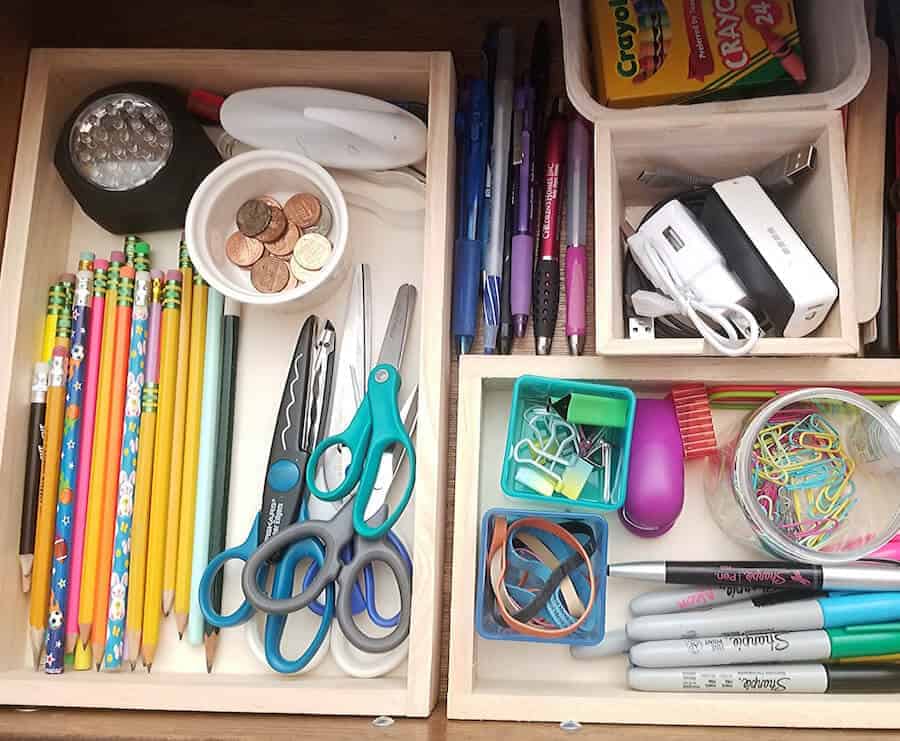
(530, 391)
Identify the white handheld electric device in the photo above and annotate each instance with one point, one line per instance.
(331, 127)
(676, 254)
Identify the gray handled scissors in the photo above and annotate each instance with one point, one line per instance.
(377, 430)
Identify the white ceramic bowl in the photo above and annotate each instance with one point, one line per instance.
(211, 213)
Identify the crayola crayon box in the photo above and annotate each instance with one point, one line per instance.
(649, 52)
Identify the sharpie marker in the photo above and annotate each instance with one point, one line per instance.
(803, 645)
(768, 678)
(691, 598)
(825, 612)
(775, 574)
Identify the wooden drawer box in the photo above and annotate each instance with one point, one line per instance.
(45, 234)
(724, 146)
(504, 680)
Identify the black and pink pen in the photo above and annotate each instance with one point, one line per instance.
(856, 577)
(577, 172)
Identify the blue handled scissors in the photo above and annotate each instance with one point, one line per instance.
(363, 520)
(298, 429)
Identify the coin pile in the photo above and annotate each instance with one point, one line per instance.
(281, 246)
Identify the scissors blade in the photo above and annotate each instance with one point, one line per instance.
(291, 413)
(393, 458)
(319, 393)
(398, 326)
(354, 361)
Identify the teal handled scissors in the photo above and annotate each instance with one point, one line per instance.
(298, 428)
(363, 521)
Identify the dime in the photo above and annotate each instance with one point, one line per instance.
(312, 251)
(253, 217)
(284, 246)
(324, 224)
(269, 274)
(303, 209)
(243, 251)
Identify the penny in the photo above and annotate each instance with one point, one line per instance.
(284, 246)
(243, 251)
(276, 227)
(272, 201)
(312, 251)
(302, 274)
(269, 274)
(303, 209)
(324, 224)
(253, 217)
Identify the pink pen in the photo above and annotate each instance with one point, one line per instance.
(578, 170)
(82, 482)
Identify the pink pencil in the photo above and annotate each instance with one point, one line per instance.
(84, 452)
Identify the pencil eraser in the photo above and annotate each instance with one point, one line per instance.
(156, 274)
(60, 351)
(126, 271)
(101, 264)
(174, 275)
(141, 248)
(67, 278)
(142, 275)
(117, 256)
(86, 256)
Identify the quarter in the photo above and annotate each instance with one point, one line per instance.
(312, 251)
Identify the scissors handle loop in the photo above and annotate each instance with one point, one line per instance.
(241, 553)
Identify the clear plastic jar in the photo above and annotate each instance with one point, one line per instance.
(812, 476)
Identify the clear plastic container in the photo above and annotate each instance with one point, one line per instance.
(813, 476)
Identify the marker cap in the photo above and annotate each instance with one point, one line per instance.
(860, 609)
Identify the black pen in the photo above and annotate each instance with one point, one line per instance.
(505, 339)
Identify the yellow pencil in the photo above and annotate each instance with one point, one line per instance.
(191, 456)
(46, 518)
(147, 635)
(56, 300)
(177, 455)
(98, 457)
(140, 520)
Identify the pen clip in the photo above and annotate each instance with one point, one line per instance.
(518, 153)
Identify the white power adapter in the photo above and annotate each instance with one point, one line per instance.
(677, 255)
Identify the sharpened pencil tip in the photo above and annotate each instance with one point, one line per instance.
(133, 664)
(149, 667)
(209, 668)
(180, 636)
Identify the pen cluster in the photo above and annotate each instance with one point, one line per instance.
(515, 159)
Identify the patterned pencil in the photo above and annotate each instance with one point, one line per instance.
(83, 479)
(43, 544)
(97, 488)
(128, 248)
(142, 256)
(68, 472)
(117, 581)
(191, 456)
(206, 462)
(146, 635)
(178, 429)
(118, 386)
(140, 520)
(218, 525)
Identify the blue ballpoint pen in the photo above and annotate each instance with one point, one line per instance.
(502, 129)
(467, 268)
(523, 242)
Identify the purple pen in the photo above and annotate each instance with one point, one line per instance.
(521, 268)
(578, 168)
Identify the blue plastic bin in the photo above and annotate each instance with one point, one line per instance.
(593, 629)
